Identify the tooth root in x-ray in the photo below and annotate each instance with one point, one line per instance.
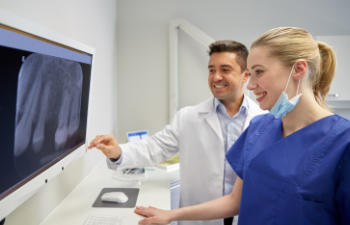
(74, 116)
(62, 131)
(24, 115)
(39, 128)
(23, 129)
(69, 114)
(60, 137)
(49, 100)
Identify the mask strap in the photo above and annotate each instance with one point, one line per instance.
(290, 74)
(298, 87)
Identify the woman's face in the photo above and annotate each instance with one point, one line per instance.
(268, 76)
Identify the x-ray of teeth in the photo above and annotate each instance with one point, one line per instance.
(44, 98)
(48, 103)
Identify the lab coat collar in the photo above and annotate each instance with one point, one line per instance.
(207, 111)
(243, 109)
(207, 106)
(210, 105)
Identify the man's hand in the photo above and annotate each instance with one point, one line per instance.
(107, 144)
(153, 215)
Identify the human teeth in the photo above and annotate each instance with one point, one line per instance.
(219, 86)
(260, 94)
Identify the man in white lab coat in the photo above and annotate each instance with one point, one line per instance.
(201, 134)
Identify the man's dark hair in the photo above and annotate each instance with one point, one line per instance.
(231, 46)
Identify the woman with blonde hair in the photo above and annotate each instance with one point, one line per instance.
(293, 164)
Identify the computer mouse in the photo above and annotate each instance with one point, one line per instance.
(115, 196)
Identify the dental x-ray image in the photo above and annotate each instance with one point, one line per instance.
(43, 112)
(48, 107)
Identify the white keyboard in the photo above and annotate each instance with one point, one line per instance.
(103, 220)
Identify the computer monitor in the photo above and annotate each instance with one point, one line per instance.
(44, 97)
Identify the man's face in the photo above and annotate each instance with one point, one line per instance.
(226, 79)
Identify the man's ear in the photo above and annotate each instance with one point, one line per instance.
(300, 69)
(245, 75)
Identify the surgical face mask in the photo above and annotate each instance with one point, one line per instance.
(284, 105)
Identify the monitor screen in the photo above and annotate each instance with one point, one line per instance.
(44, 95)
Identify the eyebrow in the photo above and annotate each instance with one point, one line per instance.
(221, 66)
(256, 66)
(226, 65)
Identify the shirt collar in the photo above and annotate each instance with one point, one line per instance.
(242, 109)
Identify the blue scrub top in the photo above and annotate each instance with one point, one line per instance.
(303, 178)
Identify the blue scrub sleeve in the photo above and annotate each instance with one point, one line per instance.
(235, 155)
(343, 190)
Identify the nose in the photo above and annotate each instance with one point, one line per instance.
(217, 76)
(252, 83)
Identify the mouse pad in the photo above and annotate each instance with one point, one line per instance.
(132, 194)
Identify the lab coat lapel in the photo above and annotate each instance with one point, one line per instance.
(213, 121)
(208, 113)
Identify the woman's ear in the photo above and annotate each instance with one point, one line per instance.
(300, 69)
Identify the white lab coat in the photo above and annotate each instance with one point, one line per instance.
(196, 135)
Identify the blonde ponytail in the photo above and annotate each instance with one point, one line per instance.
(322, 80)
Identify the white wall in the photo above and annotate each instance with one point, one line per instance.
(93, 23)
(143, 46)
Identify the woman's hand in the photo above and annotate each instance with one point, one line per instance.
(222, 207)
(153, 215)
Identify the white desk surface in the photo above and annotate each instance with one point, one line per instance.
(77, 206)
